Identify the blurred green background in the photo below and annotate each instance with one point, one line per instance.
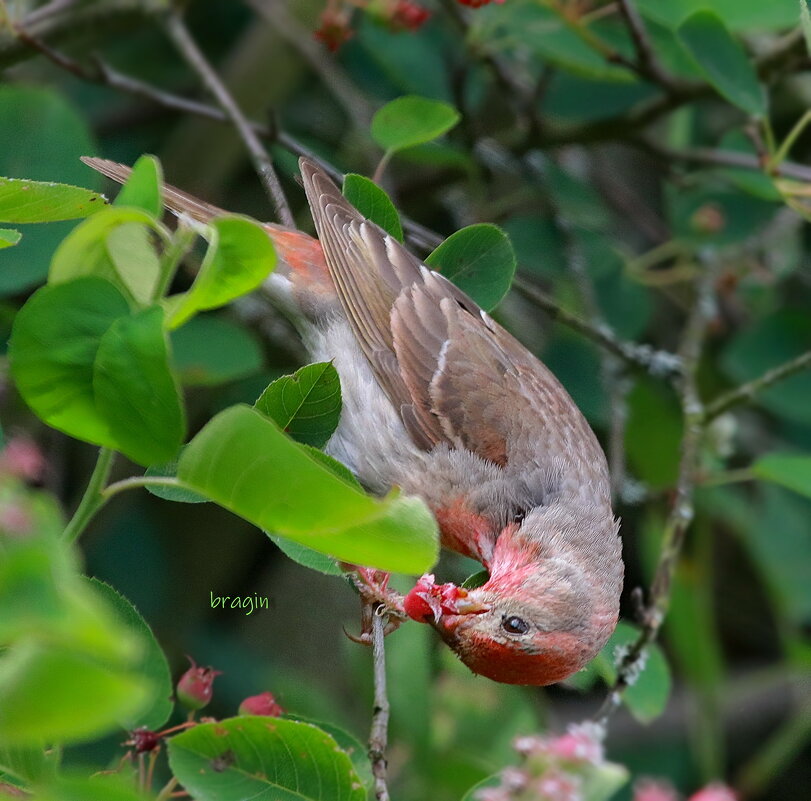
(559, 160)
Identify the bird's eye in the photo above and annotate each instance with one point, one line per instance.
(519, 516)
(513, 624)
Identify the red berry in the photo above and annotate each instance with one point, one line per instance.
(408, 16)
(333, 29)
(262, 704)
(195, 688)
(144, 740)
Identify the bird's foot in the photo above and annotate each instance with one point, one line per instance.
(376, 598)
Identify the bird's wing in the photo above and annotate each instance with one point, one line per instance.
(454, 373)
(174, 199)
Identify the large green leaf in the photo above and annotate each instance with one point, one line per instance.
(239, 258)
(412, 120)
(60, 695)
(306, 405)
(480, 260)
(115, 245)
(791, 470)
(135, 390)
(723, 61)
(245, 463)
(143, 187)
(152, 664)
(260, 757)
(23, 201)
(53, 347)
(372, 202)
(212, 350)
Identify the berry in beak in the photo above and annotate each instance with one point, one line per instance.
(428, 601)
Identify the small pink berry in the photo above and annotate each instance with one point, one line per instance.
(262, 704)
(195, 688)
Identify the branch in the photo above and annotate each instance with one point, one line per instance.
(711, 157)
(357, 107)
(746, 392)
(378, 736)
(647, 64)
(64, 20)
(182, 39)
(681, 514)
(656, 362)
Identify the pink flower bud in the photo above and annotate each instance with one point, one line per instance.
(649, 790)
(579, 744)
(195, 688)
(262, 704)
(333, 29)
(714, 792)
(408, 16)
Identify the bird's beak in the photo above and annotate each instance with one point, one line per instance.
(466, 604)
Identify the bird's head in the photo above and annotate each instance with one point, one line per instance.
(535, 621)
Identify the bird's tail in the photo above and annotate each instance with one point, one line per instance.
(300, 257)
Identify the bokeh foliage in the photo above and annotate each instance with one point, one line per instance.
(618, 184)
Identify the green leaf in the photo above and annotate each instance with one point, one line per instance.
(750, 15)
(790, 470)
(212, 350)
(723, 61)
(143, 188)
(53, 347)
(23, 201)
(169, 493)
(239, 258)
(647, 697)
(306, 557)
(372, 202)
(135, 390)
(59, 695)
(348, 743)
(29, 765)
(115, 245)
(480, 260)
(101, 786)
(764, 344)
(476, 580)
(306, 405)
(152, 665)
(411, 120)
(43, 136)
(805, 23)
(9, 237)
(241, 454)
(260, 757)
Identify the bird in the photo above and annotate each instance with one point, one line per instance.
(442, 402)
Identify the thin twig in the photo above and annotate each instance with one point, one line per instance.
(681, 514)
(746, 392)
(183, 40)
(647, 63)
(656, 362)
(378, 736)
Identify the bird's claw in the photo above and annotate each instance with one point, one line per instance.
(376, 598)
